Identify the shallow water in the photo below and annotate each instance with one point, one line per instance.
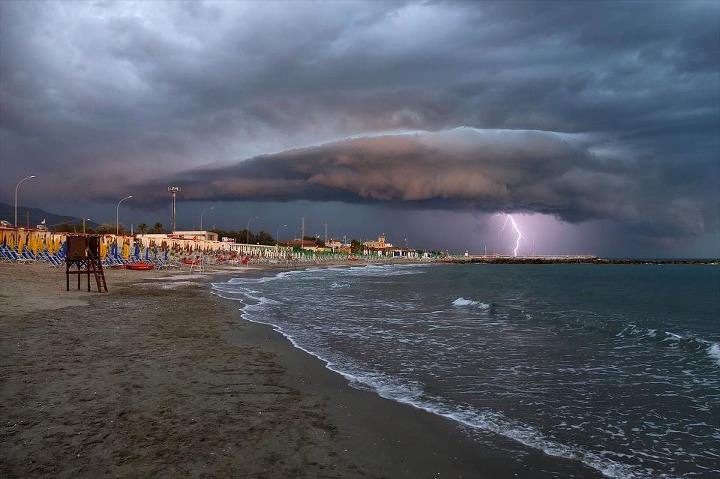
(614, 366)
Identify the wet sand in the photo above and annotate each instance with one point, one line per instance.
(161, 378)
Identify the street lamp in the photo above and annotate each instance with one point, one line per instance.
(247, 230)
(16, 194)
(277, 234)
(117, 215)
(201, 215)
(84, 224)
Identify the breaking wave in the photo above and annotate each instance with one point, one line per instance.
(462, 302)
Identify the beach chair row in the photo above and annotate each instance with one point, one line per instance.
(25, 255)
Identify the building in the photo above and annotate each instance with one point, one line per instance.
(401, 252)
(338, 246)
(334, 244)
(379, 245)
(194, 235)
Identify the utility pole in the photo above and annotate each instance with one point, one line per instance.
(173, 191)
(326, 233)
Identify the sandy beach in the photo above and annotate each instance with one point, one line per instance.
(161, 378)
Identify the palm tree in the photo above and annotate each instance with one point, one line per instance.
(142, 227)
(158, 228)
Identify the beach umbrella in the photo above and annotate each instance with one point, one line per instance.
(35, 244)
(126, 250)
(137, 249)
(147, 253)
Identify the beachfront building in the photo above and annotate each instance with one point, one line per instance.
(195, 235)
(379, 247)
(307, 245)
(401, 253)
(208, 242)
(338, 246)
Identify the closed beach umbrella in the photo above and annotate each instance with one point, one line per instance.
(137, 249)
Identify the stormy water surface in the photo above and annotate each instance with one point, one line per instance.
(614, 366)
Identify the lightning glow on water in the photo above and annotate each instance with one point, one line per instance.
(517, 231)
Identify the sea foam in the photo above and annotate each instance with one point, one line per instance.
(714, 352)
(462, 302)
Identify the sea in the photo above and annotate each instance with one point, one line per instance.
(615, 366)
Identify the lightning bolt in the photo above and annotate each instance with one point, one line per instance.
(517, 231)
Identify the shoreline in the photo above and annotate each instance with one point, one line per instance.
(458, 455)
(183, 378)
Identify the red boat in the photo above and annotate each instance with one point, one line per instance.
(141, 266)
(192, 261)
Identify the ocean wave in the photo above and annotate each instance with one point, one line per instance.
(462, 302)
(714, 352)
(413, 394)
(345, 271)
(688, 342)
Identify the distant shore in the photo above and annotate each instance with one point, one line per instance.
(568, 259)
(160, 377)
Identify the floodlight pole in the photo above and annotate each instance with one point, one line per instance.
(201, 216)
(277, 234)
(173, 191)
(247, 230)
(16, 195)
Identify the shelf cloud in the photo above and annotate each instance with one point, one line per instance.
(572, 176)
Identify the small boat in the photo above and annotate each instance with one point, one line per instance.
(192, 261)
(352, 258)
(141, 266)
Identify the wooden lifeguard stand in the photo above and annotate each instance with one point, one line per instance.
(83, 252)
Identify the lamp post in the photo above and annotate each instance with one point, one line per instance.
(84, 224)
(201, 215)
(16, 194)
(247, 230)
(117, 215)
(277, 234)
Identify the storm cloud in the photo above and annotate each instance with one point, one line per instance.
(569, 176)
(581, 110)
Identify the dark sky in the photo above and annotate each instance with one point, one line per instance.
(596, 123)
